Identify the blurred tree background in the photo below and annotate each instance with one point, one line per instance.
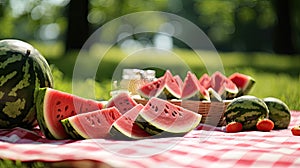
(232, 25)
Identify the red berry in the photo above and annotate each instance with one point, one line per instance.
(296, 130)
(265, 125)
(234, 127)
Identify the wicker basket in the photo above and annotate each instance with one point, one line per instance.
(212, 112)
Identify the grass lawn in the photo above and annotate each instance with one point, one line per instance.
(275, 75)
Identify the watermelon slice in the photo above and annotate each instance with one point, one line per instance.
(152, 89)
(205, 81)
(124, 128)
(162, 118)
(223, 86)
(179, 81)
(192, 88)
(164, 87)
(172, 89)
(122, 101)
(95, 124)
(53, 106)
(244, 83)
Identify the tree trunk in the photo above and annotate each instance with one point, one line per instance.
(283, 35)
(78, 26)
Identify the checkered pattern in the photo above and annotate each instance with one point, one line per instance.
(206, 147)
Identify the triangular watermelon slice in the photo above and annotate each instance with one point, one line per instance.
(124, 128)
(122, 101)
(95, 124)
(53, 105)
(223, 86)
(192, 89)
(152, 89)
(161, 118)
(205, 80)
(172, 89)
(164, 87)
(244, 83)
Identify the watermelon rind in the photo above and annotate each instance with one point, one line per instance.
(279, 112)
(247, 110)
(47, 131)
(72, 131)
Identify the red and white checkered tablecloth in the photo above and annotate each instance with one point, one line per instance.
(207, 147)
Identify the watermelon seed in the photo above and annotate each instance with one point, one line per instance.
(173, 114)
(156, 108)
(57, 116)
(180, 114)
(66, 108)
(58, 103)
(167, 106)
(98, 120)
(72, 113)
(166, 111)
(92, 123)
(59, 110)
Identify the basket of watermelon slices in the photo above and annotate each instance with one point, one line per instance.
(207, 95)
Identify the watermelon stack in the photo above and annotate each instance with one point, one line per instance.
(63, 115)
(192, 88)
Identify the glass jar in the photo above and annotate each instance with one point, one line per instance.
(132, 79)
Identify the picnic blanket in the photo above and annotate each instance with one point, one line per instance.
(205, 147)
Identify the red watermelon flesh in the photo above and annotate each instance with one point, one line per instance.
(56, 105)
(152, 89)
(179, 81)
(205, 81)
(159, 116)
(124, 128)
(171, 85)
(122, 101)
(95, 124)
(222, 85)
(192, 88)
(243, 82)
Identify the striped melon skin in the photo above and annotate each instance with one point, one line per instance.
(279, 112)
(22, 70)
(247, 110)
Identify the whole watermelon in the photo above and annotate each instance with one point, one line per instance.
(22, 70)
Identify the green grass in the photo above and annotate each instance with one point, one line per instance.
(275, 75)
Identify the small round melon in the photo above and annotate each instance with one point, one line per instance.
(279, 112)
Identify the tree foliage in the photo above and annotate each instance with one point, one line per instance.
(242, 25)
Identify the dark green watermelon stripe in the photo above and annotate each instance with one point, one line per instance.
(154, 131)
(116, 134)
(14, 90)
(148, 127)
(9, 58)
(70, 129)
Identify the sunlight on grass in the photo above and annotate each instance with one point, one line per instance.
(276, 76)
